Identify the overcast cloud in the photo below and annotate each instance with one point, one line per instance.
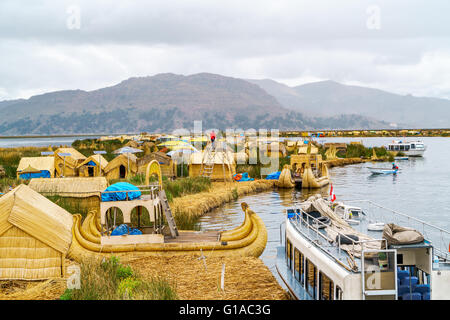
(293, 42)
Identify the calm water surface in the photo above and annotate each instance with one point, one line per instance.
(420, 189)
(40, 142)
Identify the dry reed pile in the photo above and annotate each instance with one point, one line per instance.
(196, 205)
(194, 282)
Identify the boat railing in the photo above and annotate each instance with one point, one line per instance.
(378, 213)
(301, 220)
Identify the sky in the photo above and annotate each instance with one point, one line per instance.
(395, 45)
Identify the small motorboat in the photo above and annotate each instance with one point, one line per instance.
(401, 158)
(383, 170)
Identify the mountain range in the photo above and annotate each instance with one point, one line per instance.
(165, 102)
(330, 98)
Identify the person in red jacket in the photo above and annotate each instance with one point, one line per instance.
(212, 135)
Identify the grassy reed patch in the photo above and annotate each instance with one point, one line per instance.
(111, 280)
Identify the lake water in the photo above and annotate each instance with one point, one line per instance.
(420, 189)
(40, 141)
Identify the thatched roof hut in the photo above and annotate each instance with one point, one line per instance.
(121, 166)
(221, 162)
(36, 167)
(35, 235)
(74, 187)
(71, 162)
(82, 192)
(132, 144)
(168, 166)
(93, 166)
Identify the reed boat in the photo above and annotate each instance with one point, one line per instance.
(249, 239)
(309, 169)
(373, 259)
(94, 236)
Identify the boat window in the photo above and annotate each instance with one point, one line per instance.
(397, 148)
(289, 253)
(402, 147)
(413, 146)
(355, 213)
(326, 287)
(311, 278)
(391, 147)
(406, 147)
(338, 293)
(298, 265)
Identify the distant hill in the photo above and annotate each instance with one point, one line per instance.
(329, 98)
(162, 103)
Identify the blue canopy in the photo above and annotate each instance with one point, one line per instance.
(274, 176)
(91, 163)
(121, 196)
(42, 174)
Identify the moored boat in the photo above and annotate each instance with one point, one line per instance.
(352, 262)
(382, 170)
(409, 148)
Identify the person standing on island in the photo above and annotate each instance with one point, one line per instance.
(212, 135)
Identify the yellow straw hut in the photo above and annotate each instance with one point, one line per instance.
(83, 191)
(37, 166)
(223, 161)
(35, 235)
(93, 166)
(167, 165)
(67, 166)
(121, 167)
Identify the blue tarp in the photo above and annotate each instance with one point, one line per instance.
(274, 176)
(91, 163)
(42, 174)
(124, 229)
(121, 196)
(245, 177)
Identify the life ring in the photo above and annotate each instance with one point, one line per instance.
(237, 177)
(321, 222)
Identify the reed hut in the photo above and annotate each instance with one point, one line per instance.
(80, 192)
(223, 161)
(68, 167)
(132, 144)
(168, 166)
(36, 167)
(93, 166)
(35, 236)
(275, 149)
(122, 167)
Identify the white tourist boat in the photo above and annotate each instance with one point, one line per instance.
(380, 257)
(409, 148)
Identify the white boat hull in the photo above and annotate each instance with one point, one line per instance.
(382, 171)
